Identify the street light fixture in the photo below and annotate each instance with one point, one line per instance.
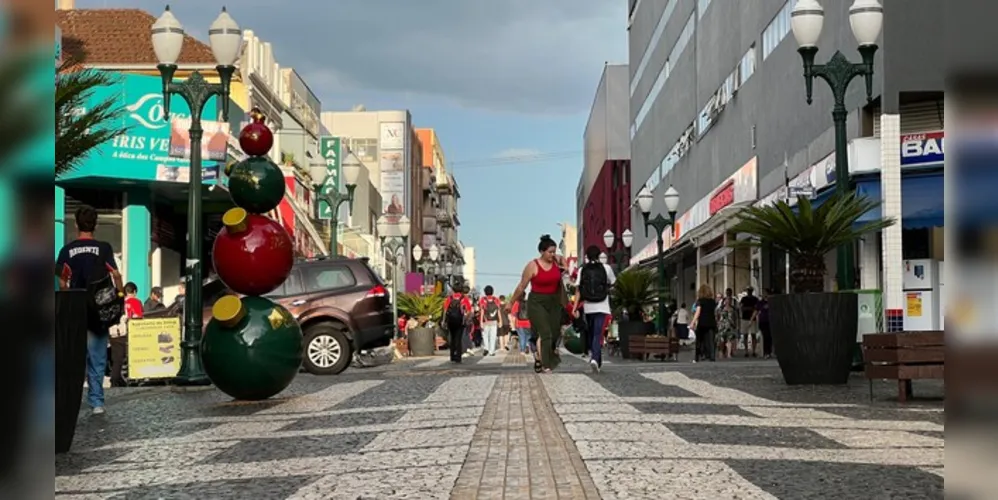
(866, 19)
(602, 258)
(167, 41)
(660, 224)
(619, 256)
(396, 244)
(333, 197)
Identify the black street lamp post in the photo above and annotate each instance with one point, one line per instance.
(621, 255)
(395, 239)
(167, 41)
(660, 224)
(866, 19)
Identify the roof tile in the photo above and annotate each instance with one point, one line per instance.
(119, 36)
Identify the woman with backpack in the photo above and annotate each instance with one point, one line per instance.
(546, 301)
(593, 288)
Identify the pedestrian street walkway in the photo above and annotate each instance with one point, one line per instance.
(492, 429)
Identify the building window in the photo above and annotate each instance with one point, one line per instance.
(652, 44)
(747, 65)
(777, 30)
(365, 149)
(677, 50)
(702, 6)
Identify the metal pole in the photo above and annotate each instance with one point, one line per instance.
(395, 297)
(196, 91)
(845, 255)
(662, 330)
(331, 223)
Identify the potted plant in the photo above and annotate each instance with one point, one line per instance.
(427, 309)
(633, 291)
(813, 331)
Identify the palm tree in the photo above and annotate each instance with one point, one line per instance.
(80, 126)
(807, 234)
(633, 291)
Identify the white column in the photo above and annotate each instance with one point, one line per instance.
(869, 263)
(699, 278)
(890, 188)
(157, 266)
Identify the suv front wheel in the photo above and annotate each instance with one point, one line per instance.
(327, 350)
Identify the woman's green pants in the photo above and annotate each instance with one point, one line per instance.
(544, 311)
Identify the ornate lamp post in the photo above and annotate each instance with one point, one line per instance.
(396, 245)
(866, 18)
(428, 267)
(660, 224)
(167, 41)
(332, 195)
(619, 256)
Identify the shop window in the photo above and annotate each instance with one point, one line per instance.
(916, 244)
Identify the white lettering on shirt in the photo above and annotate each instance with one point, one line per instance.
(73, 252)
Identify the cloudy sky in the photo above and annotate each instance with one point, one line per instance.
(496, 79)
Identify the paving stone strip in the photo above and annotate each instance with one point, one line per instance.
(521, 449)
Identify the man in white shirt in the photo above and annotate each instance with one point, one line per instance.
(593, 287)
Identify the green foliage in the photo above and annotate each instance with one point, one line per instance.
(808, 234)
(422, 307)
(80, 129)
(634, 289)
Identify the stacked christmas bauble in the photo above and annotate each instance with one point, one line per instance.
(252, 347)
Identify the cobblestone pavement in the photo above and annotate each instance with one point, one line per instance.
(490, 428)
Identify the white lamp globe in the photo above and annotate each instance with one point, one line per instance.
(167, 38)
(608, 238)
(351, 169)
(434, 252)
(644, 200)
(318, 173)
(627, 238)
(866, 18)
(602, 258)
(226, 39)
(807, 19)
(671, 199)
(417, 253)
(404, 226)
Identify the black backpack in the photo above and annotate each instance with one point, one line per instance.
(595, 284)
(104, 306)
(455, 313)
(491, 309)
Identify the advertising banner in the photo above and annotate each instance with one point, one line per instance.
(153, 348)
(331, 149)
(214, 143)
(922, 149)
(393, 192)
(182, 174)
(392, 135)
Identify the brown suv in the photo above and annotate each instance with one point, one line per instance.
(341, 304)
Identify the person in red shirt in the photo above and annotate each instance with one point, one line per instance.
(521, 322)
(457, 318)
(119, 334)
(489, 310)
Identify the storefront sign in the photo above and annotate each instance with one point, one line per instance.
(144, 149)
(214, 142)
(921, 149)
(329, 148)
(722, 197)
(153, 348)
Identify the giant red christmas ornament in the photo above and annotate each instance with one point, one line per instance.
(253, 254)
(256, 139)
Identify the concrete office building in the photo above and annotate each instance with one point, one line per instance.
(603, 197)
(718, 110)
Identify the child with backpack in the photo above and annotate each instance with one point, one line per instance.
(489, 310)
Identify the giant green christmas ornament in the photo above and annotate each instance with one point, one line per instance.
(574, 344)
(256, 184)
(252, 347)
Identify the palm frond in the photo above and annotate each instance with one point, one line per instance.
(633, 290)
(422, 306)
(81, 127)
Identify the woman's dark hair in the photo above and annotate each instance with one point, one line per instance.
(545, 243)
(592, 253)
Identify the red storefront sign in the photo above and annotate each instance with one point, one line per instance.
(723, 197)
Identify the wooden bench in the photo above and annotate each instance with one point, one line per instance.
(903, 356)
(643, 346)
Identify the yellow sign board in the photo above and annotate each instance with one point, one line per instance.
(153, 348)
(914, 303)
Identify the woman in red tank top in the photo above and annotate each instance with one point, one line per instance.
(544, 304)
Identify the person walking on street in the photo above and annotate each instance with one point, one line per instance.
(749, 328)
(457, 315)
(681, 322)
(119, 334)
(521, 321)
(489, 311)
(727, 323)
(546, 300)
(504, 323)
(593, 288)
(704, 324)
(86, 263)
(761, 318)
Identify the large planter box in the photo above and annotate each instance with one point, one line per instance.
(814, 335)
(70, 363)
(423, 341)
(628, 329)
